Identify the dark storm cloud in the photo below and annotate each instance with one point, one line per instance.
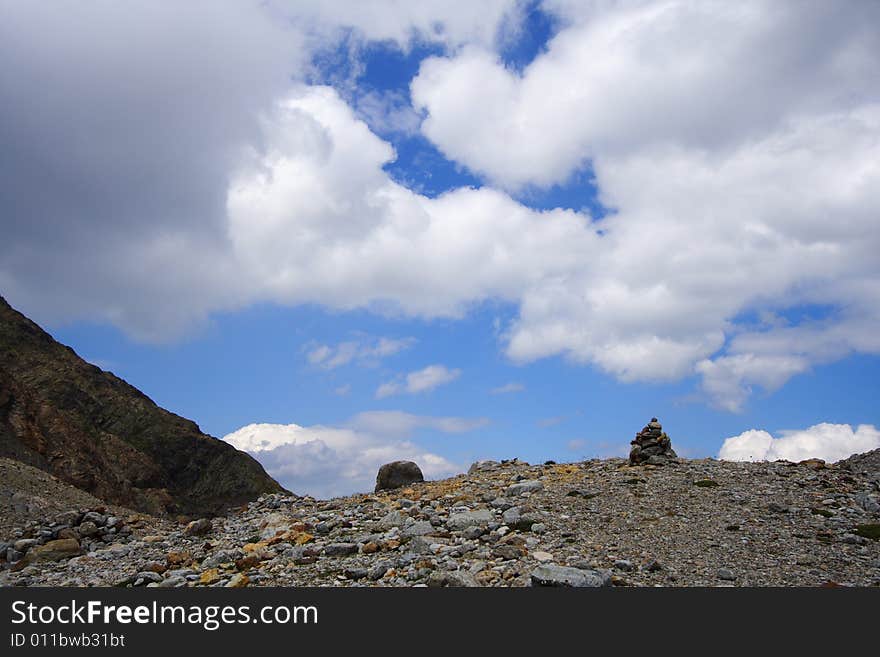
(120, 123)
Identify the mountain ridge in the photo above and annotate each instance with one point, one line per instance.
(97, 432)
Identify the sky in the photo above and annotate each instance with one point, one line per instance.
(338, 234)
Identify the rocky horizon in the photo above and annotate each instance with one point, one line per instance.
(607, 522)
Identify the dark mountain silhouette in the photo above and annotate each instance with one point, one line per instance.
(94, 431)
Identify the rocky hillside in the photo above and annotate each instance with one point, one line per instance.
(27, 493)
(593, 523)
(94, 431)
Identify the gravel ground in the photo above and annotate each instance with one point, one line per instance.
(594, 523)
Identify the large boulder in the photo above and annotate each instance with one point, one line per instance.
(398, 474)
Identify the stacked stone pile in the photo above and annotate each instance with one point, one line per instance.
(651, 446)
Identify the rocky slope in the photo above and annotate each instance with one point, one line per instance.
(94, 431)
(27, 493)
(593, 523)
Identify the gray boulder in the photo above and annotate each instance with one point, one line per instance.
(398, 474)
(528, 486)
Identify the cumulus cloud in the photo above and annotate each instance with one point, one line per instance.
(423, 380)
(325, 461)
(830, 442)
(738, 145)
(117, 164)
(508, 388)
(366, 352)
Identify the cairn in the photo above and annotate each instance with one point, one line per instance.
(651, 446)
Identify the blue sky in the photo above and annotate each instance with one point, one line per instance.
(536, 224)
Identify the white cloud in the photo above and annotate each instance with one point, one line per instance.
(738, 147)
(430, 378)
(367, 352)
(117, 166)
(388, 389)
(625, 76)
(727, 379)
(576, 445)
(423, 380)
(342, 390)
(399, 424)
(738, 143)
(329, 461)
(508, 388)
(830, 442)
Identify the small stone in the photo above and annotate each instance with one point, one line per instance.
(553, 575)
(355, 573)
(726, 574)
(473, 533)
(394, 519)
(482, 466)
(248, 562)
(88, 528)
(62, 548)
(528, 486)
(209, 577)
(419, 528)
(542, 556)
(370, 547)
(340, 549)
(176, 557)
(508, 552)
(24, 544)
(460, 521)
(377, 572)
(146, 577)
(624, 564)
(97, 518)
(199, 527)
(458, 578)
(515, 518)
(173, 582)
(419, 546)
(238, 581)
